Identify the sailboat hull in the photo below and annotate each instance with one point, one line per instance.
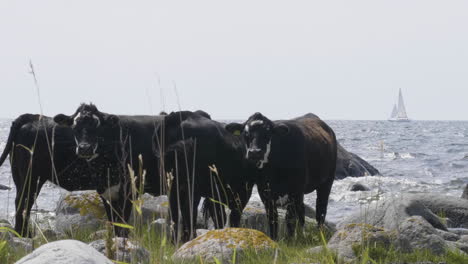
(399, 120)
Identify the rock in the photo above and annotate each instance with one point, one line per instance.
(221, 243)
(5, 234)
(410, 221)
(465, 192)
(463, 239)
(351, 165)
(417, 233)
(100, 234)
(65, 251)
(125, 250)
(3, 187)
(159, 226)
(414, 233)
(316, 250)
(459, 231)
(390, 212)
(85, 210)
(201, 232)
(254, 217)
(23, 244)
(358, 187)
(153, 207)
(79, 210)
(449, 236)
(453, 208)
(49, 234)
(457, 246)
(343, 241)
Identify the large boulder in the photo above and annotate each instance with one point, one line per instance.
(453, 209)
(409, 221)
(220, 244)
(85, 210)
(65, 251)
(413, 233)
(124, 250)
(390, 212)
(351, 165)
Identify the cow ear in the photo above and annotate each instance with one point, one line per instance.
(281, 129)
(235, 128)
(63, 120)
(112, 120)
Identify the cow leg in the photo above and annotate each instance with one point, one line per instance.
(180, 199)
(271, 211)
(295, 214)
(323, 192)
(189, 210)
(26, 195)
(174, 212)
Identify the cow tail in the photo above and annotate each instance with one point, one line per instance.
(15, 126)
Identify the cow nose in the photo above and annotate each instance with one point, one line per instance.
(84, 149)
(254, 153)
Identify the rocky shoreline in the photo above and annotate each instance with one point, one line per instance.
(405, 223)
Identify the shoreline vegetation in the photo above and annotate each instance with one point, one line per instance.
(149, 239)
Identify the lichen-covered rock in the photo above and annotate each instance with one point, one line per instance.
(254, 217)
(125, 250)
(80, 209)
(220, 244)
(65, 251)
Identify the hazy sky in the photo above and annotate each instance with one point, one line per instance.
(338, 59)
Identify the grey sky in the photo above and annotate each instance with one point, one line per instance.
(338, 59)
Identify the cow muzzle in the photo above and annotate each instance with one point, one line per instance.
(254, 154)
(86, 151)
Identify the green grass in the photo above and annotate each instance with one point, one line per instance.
(289, 250)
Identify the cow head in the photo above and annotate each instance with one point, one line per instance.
(88, 125)
(257, 133)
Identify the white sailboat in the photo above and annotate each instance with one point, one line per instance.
(399, 111)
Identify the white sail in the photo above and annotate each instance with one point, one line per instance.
(401, 107)
(394, 112)
(399, 110)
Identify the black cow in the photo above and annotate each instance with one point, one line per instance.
(294, 157)
(194, 143)
(40, 151)
(112, 144)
